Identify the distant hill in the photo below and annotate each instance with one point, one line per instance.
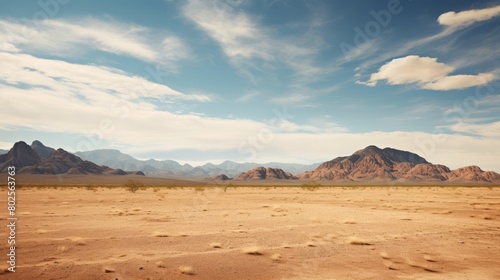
(375, 164)
(3, 151)
(222, 177)
(117, 159)
(263, 173)
(46, 160)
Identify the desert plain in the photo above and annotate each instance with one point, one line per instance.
(70, 230)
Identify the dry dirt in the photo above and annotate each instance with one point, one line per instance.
(257, 233)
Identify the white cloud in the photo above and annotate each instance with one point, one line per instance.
(84, 81)
(465, 18)
(427, 72)
(67, 38)
(250, 46)
(491, 130)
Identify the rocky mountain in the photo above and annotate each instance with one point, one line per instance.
(27, 160)
(263, 173)
(21, 155)
(375, 164)
(117, 159)
(473, 174)
(42, 150)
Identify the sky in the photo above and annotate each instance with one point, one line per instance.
(254, 81)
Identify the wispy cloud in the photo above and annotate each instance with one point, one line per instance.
(74, 37)
(361, 51)
(487, 130)
(451, 23)
(292, 98)
(87, 81)
(249, 96)
(253, 47)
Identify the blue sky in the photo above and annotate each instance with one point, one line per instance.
(289, 81)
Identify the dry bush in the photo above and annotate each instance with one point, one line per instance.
(134, 185)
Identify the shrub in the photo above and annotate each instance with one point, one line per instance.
(134, 185)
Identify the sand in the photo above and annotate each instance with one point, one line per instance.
(257, 233)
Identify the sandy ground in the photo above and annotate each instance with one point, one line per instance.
(257, 233)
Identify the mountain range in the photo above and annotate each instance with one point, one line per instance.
(117, 159)
(366, 165)
(39, 159)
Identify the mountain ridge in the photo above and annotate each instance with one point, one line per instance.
(118, 159)
(388, 164)
(40, 159)
(365, 165)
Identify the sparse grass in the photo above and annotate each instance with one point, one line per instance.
(134, 185)
(310, 186)
(199, 189)
(186, 269)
